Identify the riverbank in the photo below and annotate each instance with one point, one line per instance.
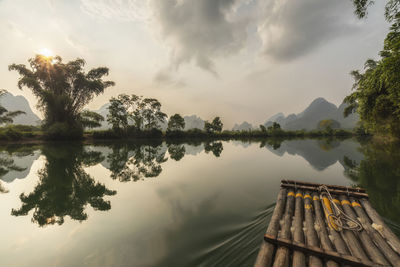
(30, 134)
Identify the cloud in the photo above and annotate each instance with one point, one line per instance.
(164, 77)
(202, 31)
(199, 31)
(290, 29)
(124, 10)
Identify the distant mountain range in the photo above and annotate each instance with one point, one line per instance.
(308, 119)
(318, 110)
(13, 103)
(244, 126)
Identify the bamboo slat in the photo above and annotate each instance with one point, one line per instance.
(369, 247)
(391, 238)
(265, 255)
(299, 259)
(282, 253)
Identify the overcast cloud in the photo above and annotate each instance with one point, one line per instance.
(238, 59)
(291, 29)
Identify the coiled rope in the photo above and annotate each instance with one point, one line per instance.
(337, 216)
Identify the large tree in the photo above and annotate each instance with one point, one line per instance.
(214, 127)
(176, 123)
(376, 95)
(62, 89)
(142, 113)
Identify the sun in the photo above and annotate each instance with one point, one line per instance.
(46, 52)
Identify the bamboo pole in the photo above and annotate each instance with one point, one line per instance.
(311, 235)
(373, 252)
(299, 259)
(282, 253)
(333, 191)
(381, 243)
(321, 228)
(334, 236)
(385, 231)
(353, 244)
(266, 252)
(340, 187)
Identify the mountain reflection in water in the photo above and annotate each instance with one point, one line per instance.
(213, 213)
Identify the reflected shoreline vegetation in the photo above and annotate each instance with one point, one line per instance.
(92, 185)
(64, 188)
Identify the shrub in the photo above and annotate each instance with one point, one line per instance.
(63, 131)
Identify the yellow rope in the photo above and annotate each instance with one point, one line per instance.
(336, 218)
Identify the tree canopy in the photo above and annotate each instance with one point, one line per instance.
(214, 127)
(133, 110)
(376, 90)
(90, 119)
(328, 124)
(392, 8)
(176, 123)
(62, 89)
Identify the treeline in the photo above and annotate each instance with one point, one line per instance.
(64, 89)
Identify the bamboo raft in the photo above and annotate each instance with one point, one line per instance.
(304, 231)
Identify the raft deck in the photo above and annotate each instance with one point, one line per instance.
(299, 233)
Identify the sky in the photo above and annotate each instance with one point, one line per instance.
(242, 60)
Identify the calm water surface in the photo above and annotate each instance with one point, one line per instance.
(159, 204)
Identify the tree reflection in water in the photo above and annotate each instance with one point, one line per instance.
(176, 152)
(379, 173)
(64, 188)
(135, 161)
(215, 147)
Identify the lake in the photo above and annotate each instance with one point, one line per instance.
(169, 204)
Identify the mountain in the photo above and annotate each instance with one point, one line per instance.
(320, 154)
(244, 126)
(192, 122)
(103, 111)
(308, 119)
(13, 103)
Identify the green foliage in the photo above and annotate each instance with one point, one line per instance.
(275, 126)
(214, 127)
(262, 128)
(176, 123)
(90, 119)
(376, 95)
(392, 8)
(17, 132)
(328, 124)
(62, 89)
(63, 131)
(142, 113)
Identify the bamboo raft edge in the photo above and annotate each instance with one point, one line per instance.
(287, 243)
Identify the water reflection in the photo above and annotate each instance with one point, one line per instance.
(64, 188)
(135, 161)
(379, 173)
(176, 151)
(215, 147)
(13, 158)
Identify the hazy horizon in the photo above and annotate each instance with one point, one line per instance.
(240, 60)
